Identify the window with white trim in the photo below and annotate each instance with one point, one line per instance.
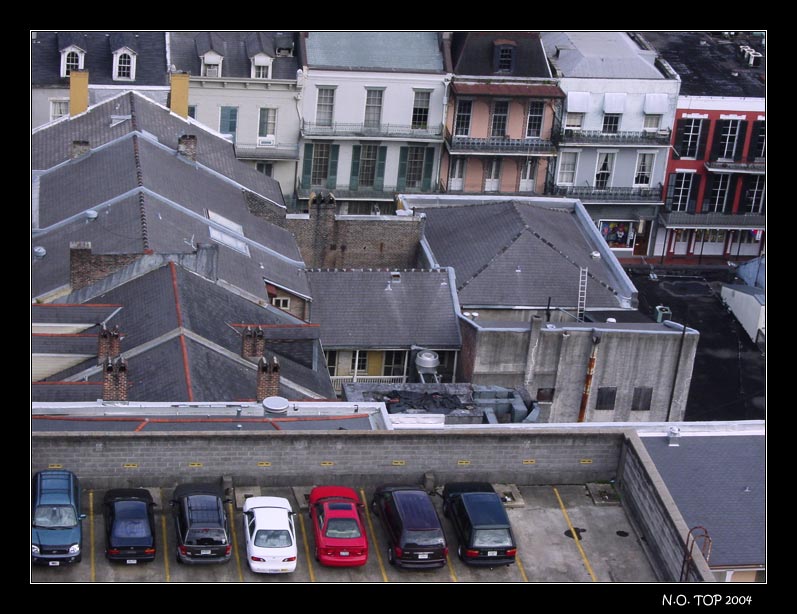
(373, 108)
(567, 168)
(420, 109)
(748, 237)
(644, 170)
(58, 108)
(261, 72)
(754, 194)
(611, 123)
(603, 170)
(72, 58)
(267, 168)
(500, 118)
(124, 66)
(760, 148)
(681, 191)
(574, 121)
(325, 106)
(320, 169)
(228, 238)
(393, 363)
(281, 302)
(719, 194)
(652, 121)
(267, 126)
(332, 362)
(368, 158)
(713, 235)
(211, 70)
(462, 121)
(192, 111)
(691, 139)
(415, 159)
(228, 121)
(359, 362)
(534, 125)
(506, 55)
(728, 137)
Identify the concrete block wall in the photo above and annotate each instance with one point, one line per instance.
(285, 458)
(655, 516)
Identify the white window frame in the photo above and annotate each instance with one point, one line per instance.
(736, 123)
(717, 199)
(529, 117)
(281, 302)
(679, 203)
(81, 58)
(380, 109)
(317, 96)
(229, 239)
(575, 168)
(759, 193)
(610, 181)
(270, 138)
(210, 59)
(651, 116)
(691, 137)
(619, 117)
(650, 172)
(470, 117)
(55, 101)
(580, 116)
(117, 56)
(261, 60)
(415, 106)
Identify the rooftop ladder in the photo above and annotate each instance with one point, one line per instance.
(582, 293)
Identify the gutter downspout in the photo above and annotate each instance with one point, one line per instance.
(582, 411)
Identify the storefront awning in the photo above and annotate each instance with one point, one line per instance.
(655, 104)
(577, 102)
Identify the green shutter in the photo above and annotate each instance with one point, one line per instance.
(307, 165)
(401, 182)
(332, 171)
(354, 181)
(428, 167)
(379, 180)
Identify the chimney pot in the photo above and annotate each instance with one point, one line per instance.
(268, 378)
(79, 148)
(186, 146)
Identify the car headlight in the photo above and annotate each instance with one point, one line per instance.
(34, 549)
(74, 549)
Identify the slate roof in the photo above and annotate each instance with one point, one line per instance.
(65, 392)
(55, 313)
(150, 48)
(166, 213)
(719, 483)
(52, 144)
(378, 51)
(182, 332)
(510, 253)
(599, 55)
(705, 64)
(237, 48)
(365, 309)
(472, 54)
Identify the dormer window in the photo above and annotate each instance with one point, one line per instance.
(124, 65)
(261, 66)
(211, 64)
(504, 56)
(72, 58)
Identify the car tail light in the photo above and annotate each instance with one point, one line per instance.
(183, 550)
(113, 551)
(471, 553)
(330, 552)
(149, 551)
(227, 550)
(511, 551)
(399, 552)
(257, 559)
(445, 551)
(290, 559)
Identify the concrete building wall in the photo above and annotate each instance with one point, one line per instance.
(746, 308)
(40, 103)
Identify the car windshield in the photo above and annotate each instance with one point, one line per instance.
(273, 539)
(206, 537)
(491, 538)
(54, 517)
(342, 528)
(432, 538)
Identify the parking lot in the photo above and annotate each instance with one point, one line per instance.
(545, 520)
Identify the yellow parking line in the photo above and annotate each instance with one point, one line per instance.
(373, 537)
(576, 538)
(451, 569)
(520, 569)
(165, 543)
(91, 535)
(235, 543)
(306, 548)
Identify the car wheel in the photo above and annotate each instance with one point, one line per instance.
(79, 558)
(460, 553)
(391, 556)
(178, 559)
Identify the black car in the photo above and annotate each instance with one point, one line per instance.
(201, 524)
(415, 537)
(481, 524)
(129, 525)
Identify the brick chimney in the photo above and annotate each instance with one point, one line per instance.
(253, 342)
(79, 264)
(268, 378)
(79, 148)
(78, 92)
(178, 95)
(186, 146)
(109, 344)
(114, 380)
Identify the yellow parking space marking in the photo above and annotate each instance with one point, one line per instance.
(235, 543)
(373, 537)
(306, 548)
(91, 535)
(576, 538)
(165, 543)
(451, 569)
(520, 569)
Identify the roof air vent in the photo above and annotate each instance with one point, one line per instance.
(91, 215)
(275, 405)
(596, 255)
(39, 251)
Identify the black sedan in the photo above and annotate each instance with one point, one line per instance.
(129, 525)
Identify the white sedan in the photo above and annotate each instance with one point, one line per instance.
(270, 535)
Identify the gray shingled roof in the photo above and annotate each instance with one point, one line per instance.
(150, 48)
(599, 55)
(380, 51)
(237, 48)
(472, 54)
(365, 309)
(510, 253)
(719, 483)
(65, 392)
(52, 313)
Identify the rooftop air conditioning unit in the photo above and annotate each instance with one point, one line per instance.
(266, 141)
(427, 362)
(754, 59)
(212, 71)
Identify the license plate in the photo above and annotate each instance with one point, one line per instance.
(203, 552)
(131, 561)
(423, 555)
(344, 553)
(54, 563)
(492, 553)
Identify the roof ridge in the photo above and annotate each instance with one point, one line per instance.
(142, 209)
(509, 244)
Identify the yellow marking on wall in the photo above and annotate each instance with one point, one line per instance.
(306, 548)
(55, 466)
(399, 463)
(327, 463)
(194, 464)
(529, 461)
(586, 461)
(264, 464)
(130, 466)
(373, 537)
(462, 463)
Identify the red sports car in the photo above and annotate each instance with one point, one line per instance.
(340, 538)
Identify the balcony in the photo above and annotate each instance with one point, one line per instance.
(755, 167)
(589, 194)
(275, 152)
(395, 131)
(686, 219)
(499, 145)
(596, 137)
(387, 192)
(339, 380)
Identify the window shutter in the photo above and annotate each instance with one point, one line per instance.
(379, 180)
(680, 128)
(701, 146)
(707, 192)
(332, 172)
(496, 56)
(734, 179)
(401, 182)
(428, 167)
(741, 137)
(691, 205)
(354, 181)
(307, 165)
(670, 190)
(755, 140)
(744, 201)
(719, 126)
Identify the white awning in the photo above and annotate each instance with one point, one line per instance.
(655, 104)
(613, 103)
(577, 102)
